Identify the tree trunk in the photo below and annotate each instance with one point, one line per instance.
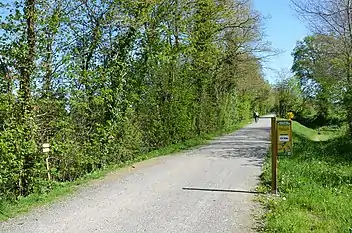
(25, 88)
(28, 66)
(48, 65)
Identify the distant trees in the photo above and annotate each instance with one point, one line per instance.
(316, 65)
(324, 60)
(286, 94)
(103, 81)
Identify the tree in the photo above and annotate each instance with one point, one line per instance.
(287, 92)
(333, 18)
(315, 64)
(104, 81)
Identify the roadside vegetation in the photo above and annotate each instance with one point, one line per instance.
(106, 82)
(315, 185)
(59, 190)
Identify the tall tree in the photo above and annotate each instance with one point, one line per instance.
(316, 62)
(333, 18)
(27, 66)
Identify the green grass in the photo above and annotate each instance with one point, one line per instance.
(315, 185)
(326, 133)
(59, 190)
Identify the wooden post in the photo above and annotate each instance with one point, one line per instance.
(291, 136)
(48, 168)
(274, 155)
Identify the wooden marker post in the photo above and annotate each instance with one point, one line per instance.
(46, 150)
(274, 155)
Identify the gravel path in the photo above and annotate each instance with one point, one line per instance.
(167, 194)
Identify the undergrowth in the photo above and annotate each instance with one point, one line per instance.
(10, 209)
(315, 185)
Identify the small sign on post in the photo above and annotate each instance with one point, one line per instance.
(284, 137)
(281, 143)
(46, 147)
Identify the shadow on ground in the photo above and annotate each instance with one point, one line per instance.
(222, 190)
(251, 143)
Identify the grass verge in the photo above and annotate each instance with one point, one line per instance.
(59, 190)
(315, 185)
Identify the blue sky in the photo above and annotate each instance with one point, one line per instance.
(283, 30)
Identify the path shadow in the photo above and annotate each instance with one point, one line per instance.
(251, 143)
(222, 190)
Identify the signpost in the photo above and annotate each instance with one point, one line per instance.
(46, 149)
(273, 156)
(284, 134)
(281, 144)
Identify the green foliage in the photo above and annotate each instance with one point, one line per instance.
(288, 96)
(10, 209)
(105, 81)
(318, 65)
(314, 184)
(315, 65)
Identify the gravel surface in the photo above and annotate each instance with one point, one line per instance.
(202, 190)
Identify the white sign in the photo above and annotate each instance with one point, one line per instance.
(46, 147)
(284, 138)
(46, 150)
